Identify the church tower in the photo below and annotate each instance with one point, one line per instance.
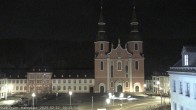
(119, 69)
(135, 47)
(101, 50)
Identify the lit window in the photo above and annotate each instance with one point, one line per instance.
(186, 60)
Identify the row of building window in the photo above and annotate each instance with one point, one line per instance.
(102, 46)
(39, 76)
(38, 81)
(16, 88)
(183, 88)
(126, 84)
(181, 107)
(14, 81)
(70, 81)
(58, 88)
(119, 66)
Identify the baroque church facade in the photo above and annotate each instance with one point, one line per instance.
(119, 69)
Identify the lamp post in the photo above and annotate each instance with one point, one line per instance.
(33, 95)
(158, 86)
(70, 93)
(92, 103)
(121, 97)
(144, 88)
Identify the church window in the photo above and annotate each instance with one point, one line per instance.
(101, 46)
(136, 65)
(136, 46)
(101, 65)
(126, 70)
(112, 84)
(186, 60)
(127, 84)
(119, 65)
(112, 71)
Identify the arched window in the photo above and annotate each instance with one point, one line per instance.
(126, 84)
(112, 84)
(136, 65)
(101, 65)
(126, 71)
(119, 65)
(136, 46)
(112, 71)
(101, 46)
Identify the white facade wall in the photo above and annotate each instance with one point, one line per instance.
(149, 86)
(75, 85)
(179, 98)
(17, 85)
(3, 88)
(163, 85)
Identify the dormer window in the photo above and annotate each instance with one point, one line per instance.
(186, 63)
(101, 46)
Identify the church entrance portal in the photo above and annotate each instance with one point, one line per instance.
(136, 88)
(101, 89)
(119, 88)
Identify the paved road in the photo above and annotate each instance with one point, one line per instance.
(84, 102)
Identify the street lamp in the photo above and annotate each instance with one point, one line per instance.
(121, 98)
(70, 93)
(158, 86)
(144, 88)
(108, 101)
(33, 95)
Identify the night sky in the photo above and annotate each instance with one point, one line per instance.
(62, 26)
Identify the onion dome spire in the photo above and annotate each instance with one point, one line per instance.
(134, 33)
(101, 25)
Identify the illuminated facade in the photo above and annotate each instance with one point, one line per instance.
(182, 81)
(119, 69)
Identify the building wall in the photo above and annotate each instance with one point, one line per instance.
(39, 82)
(74, 85)
(179, 97)
(163, 86)
(129, 74)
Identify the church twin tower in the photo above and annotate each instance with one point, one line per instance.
(119, 69)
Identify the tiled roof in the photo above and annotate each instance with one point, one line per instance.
(189, 48)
